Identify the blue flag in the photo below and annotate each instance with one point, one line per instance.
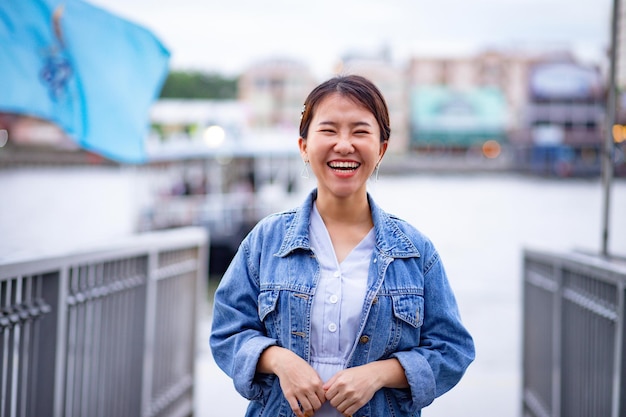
(92, 73)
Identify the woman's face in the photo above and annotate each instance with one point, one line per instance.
(343, 146)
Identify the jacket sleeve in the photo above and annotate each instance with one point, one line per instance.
(237, 335)
(445, 348)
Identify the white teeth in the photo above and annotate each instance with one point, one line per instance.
(344, 165)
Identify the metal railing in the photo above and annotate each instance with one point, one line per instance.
(573, 336)
(108, 332)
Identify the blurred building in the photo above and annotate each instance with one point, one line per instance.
(25, 130)
(275, 91)
(26, 140)
(554, 107)
(545, 108)
(391, 80)
(503, 71)
(563, 124)
(460, 104)
(457, 121)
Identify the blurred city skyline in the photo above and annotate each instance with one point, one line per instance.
(228, 37)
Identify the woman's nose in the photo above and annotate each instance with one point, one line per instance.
(344, 144)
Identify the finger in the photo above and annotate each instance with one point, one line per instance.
(295, 407)
(310, 404)
(346, 406)
(330, 382)
(315, 401)
(307, 408)
(320, 393)
(331, 393)
(351, 409)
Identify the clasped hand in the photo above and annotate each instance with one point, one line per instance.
(347, 391)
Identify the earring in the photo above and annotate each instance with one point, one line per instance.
(305, 170)
(376, 170)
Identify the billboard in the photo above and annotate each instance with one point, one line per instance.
(564, 81)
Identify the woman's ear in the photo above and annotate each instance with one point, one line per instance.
(302, 146)
(383, 149)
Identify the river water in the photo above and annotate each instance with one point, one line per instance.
(480, 223)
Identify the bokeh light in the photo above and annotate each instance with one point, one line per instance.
(491, 149)
(619, 133)
(214, 136)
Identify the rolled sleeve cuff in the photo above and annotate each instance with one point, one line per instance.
(421, 381)
(244, 370)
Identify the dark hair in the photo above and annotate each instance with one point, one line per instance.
(355, 87)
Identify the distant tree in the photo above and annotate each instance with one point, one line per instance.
(198, 85)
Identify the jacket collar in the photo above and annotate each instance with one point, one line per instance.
(390, 239)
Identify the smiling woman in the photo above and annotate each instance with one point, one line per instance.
(343, 136)
(337, 308)
(343, 146)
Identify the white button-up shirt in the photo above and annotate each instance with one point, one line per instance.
(337, 303)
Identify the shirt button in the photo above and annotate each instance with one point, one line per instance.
(364, 339)
(336, 274)
(332, 327)
(333, 299)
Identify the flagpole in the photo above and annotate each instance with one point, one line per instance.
(607, 160)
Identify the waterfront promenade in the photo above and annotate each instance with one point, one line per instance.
(480, 223)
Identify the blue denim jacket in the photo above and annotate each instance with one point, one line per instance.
(409, 313)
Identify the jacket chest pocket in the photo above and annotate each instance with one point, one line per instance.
(395, 320)
(285, 314)
(409, 308)
(267, 305)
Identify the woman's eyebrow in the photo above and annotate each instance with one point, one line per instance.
(331, 123)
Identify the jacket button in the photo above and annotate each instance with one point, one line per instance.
(375, 300)
(364, 339)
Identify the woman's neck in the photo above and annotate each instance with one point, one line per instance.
(347, 221)
(354, 210)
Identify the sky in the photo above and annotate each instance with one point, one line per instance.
(227, 36)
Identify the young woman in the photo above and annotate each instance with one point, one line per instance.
(337, 308)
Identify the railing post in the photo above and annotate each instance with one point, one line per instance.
(557, 339)
(60, 353)
(150, 325)
(202, 279)
(619, 352)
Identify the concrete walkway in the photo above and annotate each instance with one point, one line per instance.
(214, 395)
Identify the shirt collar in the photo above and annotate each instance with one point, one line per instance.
(390, 239)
